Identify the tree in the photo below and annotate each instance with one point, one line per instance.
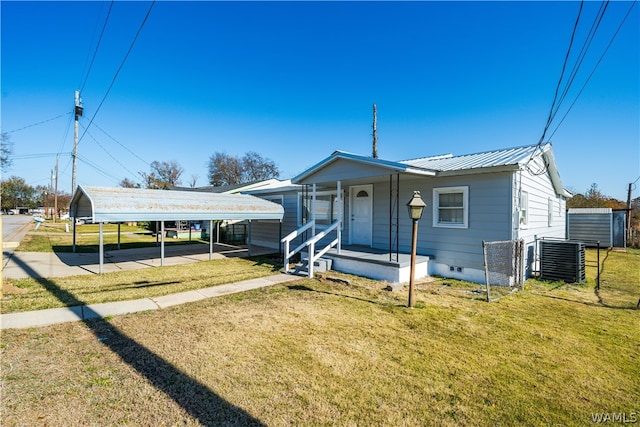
(127, 183)
(594, 198)
(6, 148)
(257, 168)
(17, 193)
(163, 175)
(225, 169)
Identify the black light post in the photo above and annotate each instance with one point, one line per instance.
(416, 208)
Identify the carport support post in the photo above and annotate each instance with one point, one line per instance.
(338, 230)
(118, 236)
(249, 240)
(101, 244)
(74, 235)
(162, 243)
(210, 239)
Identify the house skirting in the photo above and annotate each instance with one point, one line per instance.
(377, 266)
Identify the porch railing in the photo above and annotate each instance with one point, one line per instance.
(309, 243)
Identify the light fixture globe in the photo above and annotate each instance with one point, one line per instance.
(416, 206)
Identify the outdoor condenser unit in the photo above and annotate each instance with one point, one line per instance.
(562, 260)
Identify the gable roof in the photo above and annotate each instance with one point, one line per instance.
(508, 159)
(380, 165)
(105, 204)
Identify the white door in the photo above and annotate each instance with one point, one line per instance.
(361, 197)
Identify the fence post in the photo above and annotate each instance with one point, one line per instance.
(598, 276)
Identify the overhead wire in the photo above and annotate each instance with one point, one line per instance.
(110, 155)
(595, 67)
(95, 51)
(38, 123)
(122, 145)
(115, 76)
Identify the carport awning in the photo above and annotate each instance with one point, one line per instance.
(106, 204)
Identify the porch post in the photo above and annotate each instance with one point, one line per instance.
(339, 231)
(313, 211)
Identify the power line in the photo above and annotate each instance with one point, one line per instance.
(595, 67)
(109, 154)
(38, 123)
(95, 52)
(113, 80)
(122, 145)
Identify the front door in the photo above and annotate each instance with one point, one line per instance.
(361, 201)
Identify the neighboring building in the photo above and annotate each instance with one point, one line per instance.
(499, 195)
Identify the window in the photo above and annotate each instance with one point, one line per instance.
(550, 212)
(524, 208)
(451, 207)
(326, 208)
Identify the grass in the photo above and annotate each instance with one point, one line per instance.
(318, 352)
(38, 294)
(52, 237)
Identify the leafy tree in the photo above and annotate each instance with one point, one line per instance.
(17, 193)
(6, 148)
(163, 175)
(594, 198)
(225, 169)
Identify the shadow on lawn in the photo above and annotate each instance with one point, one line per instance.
(308, 289)
(194, 397)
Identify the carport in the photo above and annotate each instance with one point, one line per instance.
(100, 205)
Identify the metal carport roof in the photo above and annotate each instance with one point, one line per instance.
(106, 204)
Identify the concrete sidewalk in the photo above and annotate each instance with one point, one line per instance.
(20, 265)
(78, 313)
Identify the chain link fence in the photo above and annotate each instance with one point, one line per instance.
(503, 266)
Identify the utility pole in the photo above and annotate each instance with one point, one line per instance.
(375, 132)
(74, 155)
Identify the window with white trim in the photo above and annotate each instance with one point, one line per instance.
(524, 208)
(550, 212)
(326, 208)
(451, 207)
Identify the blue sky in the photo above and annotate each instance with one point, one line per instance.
(295, 81)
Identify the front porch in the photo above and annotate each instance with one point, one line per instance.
(377, 263)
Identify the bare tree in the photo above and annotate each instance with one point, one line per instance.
(163, 175)
(230, 170)
(127, 183)
(6, 148)
(224, 169)
(257, 168)
(193, 180)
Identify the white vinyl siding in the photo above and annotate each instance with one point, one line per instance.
(451, 207)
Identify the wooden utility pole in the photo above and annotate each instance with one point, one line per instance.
(74, 155)
(375, 132)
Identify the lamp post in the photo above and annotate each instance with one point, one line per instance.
(416, 208)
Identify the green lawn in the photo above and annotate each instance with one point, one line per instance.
(319, 352)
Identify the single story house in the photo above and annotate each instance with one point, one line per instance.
(351, 209)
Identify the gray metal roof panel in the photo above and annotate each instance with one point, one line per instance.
(506, 157)
(105, 204)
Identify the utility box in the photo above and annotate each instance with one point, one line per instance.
(562, 260)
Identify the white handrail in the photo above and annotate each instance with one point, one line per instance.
(310, 243)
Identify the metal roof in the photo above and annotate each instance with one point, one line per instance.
(590, 211)
(384, 165)
(505, 157)
(105, 204)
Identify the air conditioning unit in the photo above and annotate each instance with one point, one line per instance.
(562, 260)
